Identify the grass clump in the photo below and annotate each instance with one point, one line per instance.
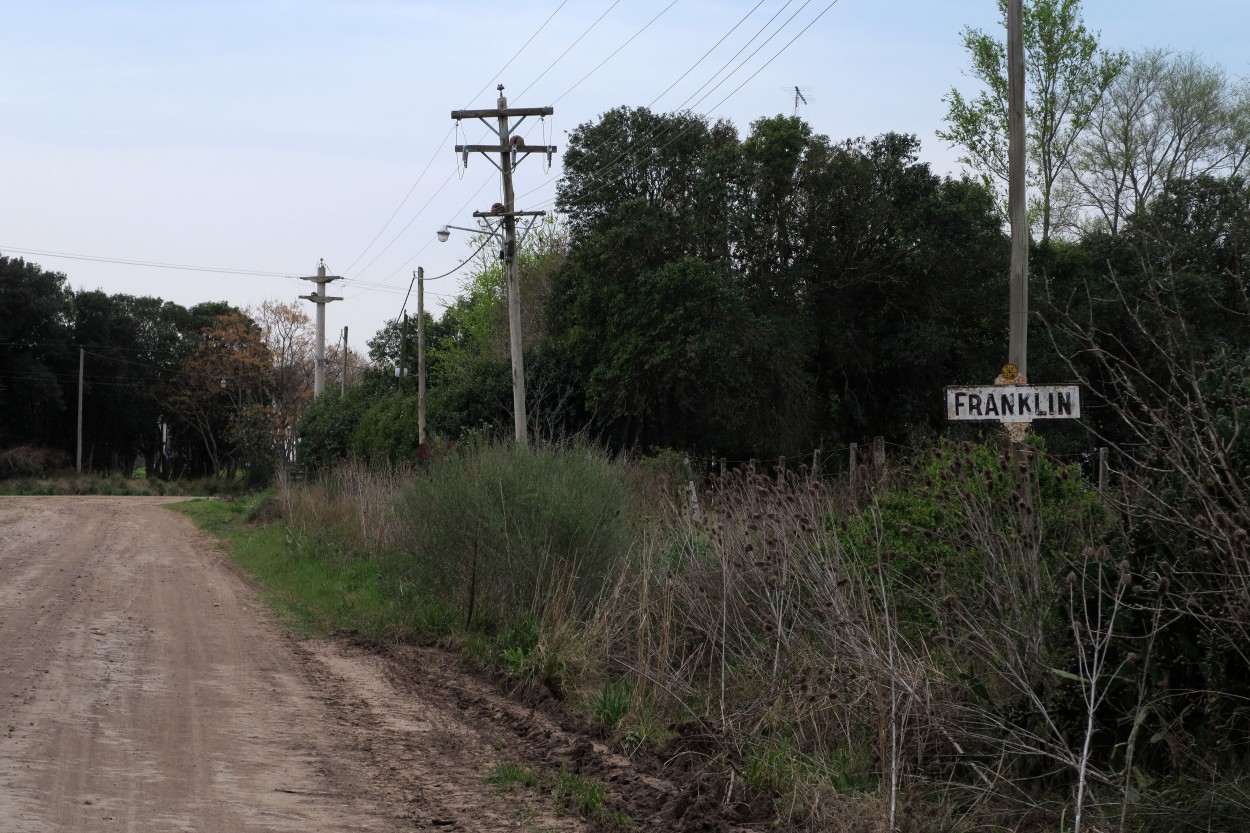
(508, 776)
(611, 703)
(571, 791)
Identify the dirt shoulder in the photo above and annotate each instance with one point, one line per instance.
(145, 687)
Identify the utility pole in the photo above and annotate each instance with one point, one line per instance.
(343, 378)
(1018, 340)
(320, 298)
(510, 149)
(81, 362)
(421, 355)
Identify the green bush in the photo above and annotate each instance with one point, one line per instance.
(328, 426)
(966, 521)
(387, 432)
(516, 535)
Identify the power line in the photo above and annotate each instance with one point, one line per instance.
(715, 46)
(498, 74)
(402, 202)
(148, 263)
(435, 155)
(615, 51)
(569, 49)
(778, 54)
(444, 275)
(607, 167)
(754, 52)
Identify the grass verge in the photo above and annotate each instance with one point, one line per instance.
(306, 580)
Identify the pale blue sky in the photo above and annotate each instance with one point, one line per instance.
(264, 135)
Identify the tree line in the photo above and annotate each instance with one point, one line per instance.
(205, 391)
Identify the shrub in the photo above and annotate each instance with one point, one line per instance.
(30, 461)
(516, 535)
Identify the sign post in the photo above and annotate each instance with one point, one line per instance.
(1013, 402)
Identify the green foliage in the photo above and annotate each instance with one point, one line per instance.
(578, 793)
(931, 535)
(1066, 75)
(809, 273)
(506, 776)
(387, 432)
(516, 537)
(34, 352)
(328, 425)
(315, 581)
(611, 703)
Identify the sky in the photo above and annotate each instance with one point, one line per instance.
(250, 140)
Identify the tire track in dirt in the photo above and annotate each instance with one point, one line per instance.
(144, 688)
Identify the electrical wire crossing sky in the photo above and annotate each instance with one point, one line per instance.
(201, 151)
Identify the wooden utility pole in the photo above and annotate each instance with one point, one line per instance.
(421, 355)
(1017, 353)
(510, 149)
(81, 363)
(320, 298)
(343, 380)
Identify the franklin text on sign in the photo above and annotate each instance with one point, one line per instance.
(1013, 403)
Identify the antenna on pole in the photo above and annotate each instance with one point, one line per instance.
(800, 98)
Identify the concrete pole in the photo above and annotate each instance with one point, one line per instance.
(514, 289)
(320, 298)
(1018, 339)
(421, 355)
(319, 373)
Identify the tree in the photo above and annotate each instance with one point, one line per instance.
(1166, 118)
(907, 288)
(806, 289)
(1066, 74)
(131, 345)
(291, 340)
(35, 354)
(223, 396)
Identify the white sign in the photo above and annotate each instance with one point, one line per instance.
(1013, 403)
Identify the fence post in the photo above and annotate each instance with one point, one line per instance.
(693, 492)
(878, 453)
(1102, 469)
(853, 466)
(781, 469)
(815, 463)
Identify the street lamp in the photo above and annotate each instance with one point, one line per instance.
(445, 232)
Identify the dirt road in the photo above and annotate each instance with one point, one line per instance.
(144, 687)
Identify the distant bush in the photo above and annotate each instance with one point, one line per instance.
(328, 425)
(31, 461)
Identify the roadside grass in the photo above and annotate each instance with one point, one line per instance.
(310, 581)
(571, 791)
(135, 485)
(834, 659)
